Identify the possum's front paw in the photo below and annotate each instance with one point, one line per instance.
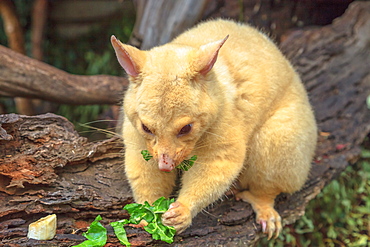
(178, 216)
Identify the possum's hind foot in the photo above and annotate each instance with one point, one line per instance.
(266, 215)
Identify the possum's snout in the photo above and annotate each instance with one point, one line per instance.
(165, 163)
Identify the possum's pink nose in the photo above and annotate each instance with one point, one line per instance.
(165, 163)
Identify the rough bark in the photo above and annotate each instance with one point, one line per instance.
(27, 77)
(276, 17)
(45, 167)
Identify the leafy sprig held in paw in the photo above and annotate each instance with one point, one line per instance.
(152, 214)
(185, 165)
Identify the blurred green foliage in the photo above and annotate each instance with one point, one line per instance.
(89, 54)
(338, 216)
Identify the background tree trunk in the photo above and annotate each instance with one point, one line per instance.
(46, 167)
(159, 21)
(14, 32)
(39, 20)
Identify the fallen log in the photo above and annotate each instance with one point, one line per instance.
(46, 167)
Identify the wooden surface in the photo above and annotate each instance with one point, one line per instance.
(46, 167)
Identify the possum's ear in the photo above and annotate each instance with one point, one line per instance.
(207, 55)
(130, 58)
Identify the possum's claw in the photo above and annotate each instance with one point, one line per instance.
(263, 224)
(270, 221)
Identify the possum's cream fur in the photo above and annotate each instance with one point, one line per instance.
(252, 126)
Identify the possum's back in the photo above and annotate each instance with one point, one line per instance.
(242, 38)
(250, 56)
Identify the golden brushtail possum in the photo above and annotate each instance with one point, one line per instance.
(224, 92)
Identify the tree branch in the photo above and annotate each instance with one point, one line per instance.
(27, 77)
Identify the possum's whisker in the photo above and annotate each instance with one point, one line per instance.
(201, 163)
(211, 133)
(108, 132)
(101, 121)
(205, 211)
(209, 145)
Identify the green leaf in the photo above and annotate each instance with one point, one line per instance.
(139, 212)
(96, 235)
(368, 102)
(152, 214)
(363, 210)
(362, 241)
(162, 204)
(161, 232)
(187, 164)
(121, 232)
(331, 232)
(146, 155)
(365, 153)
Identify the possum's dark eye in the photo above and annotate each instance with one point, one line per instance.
(185, 130)
(146, 129)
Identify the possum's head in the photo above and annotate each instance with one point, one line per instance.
(171, 96)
